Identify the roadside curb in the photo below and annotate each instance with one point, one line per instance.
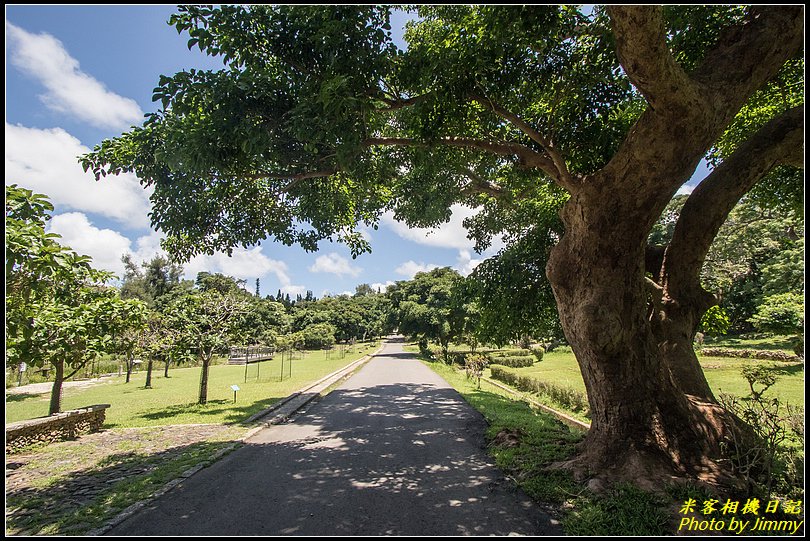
(285, 408)
(567, 419)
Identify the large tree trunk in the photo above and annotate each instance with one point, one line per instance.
(56, 390)
(644, 427)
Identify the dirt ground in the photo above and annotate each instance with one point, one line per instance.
(45, 387)
(62, 477)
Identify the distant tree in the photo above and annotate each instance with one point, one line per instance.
(423, 307)
(318, 336)
(362, 290)
(151, 282)
(781, 314)
(207, 281)
(512, 295)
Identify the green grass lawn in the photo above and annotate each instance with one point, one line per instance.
(722, 373)
(173, 400)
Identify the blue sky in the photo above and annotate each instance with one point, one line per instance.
(76, 75)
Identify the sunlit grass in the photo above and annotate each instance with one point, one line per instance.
(173, 400)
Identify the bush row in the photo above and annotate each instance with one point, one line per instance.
(749, 354)
(565, 396)
(509, 353)
(514, 362)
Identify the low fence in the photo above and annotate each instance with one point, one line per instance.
(250, 354)
(57, 427)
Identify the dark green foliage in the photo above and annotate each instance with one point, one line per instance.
(757, 253)
(781, 314)
(512, 292)
(318, 336)
(514, 362)
(566, 397)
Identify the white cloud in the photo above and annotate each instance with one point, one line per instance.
(105, 246)
(380, 286)
(334, 263)
(45, 161)
(449, 235)
(465, 262)
(68, 89)
(245, 264)
(685, 190)
(410, 268)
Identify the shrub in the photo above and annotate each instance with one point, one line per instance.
(565, 396)
(318, 336)
(783, 314)
(749, 354)
(514, 362)
(538, 353)
(509, 353)
(474, 364)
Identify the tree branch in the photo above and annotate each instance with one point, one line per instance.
(748, 55)
(481, 185)
(563, 176)
(776, 143)
(527, 156)
(683, 121)
(643, 53)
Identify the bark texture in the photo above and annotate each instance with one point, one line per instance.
(653, 413)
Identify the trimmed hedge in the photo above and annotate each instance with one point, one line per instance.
(749, 354)
(509, 353)
(514, 362)
(565, 396)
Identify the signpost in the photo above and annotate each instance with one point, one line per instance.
(23, 368)
(235, 388)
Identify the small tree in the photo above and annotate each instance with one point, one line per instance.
(318, 336)
(210, 320)
(58, 310)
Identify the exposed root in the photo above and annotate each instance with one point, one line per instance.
(507, 438)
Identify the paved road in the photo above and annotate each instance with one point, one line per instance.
(393, 451)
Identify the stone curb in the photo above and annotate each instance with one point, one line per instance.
(325, 382)
(567, 419)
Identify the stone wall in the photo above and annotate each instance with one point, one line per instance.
(57, 427)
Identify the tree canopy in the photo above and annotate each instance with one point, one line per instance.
(569, 133)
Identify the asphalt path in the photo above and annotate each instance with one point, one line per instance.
(393, 451)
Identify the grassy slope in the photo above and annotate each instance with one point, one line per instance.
(723, 374)
(173, 400)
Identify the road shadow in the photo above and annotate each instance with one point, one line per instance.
(81, 500)
(399, 459)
